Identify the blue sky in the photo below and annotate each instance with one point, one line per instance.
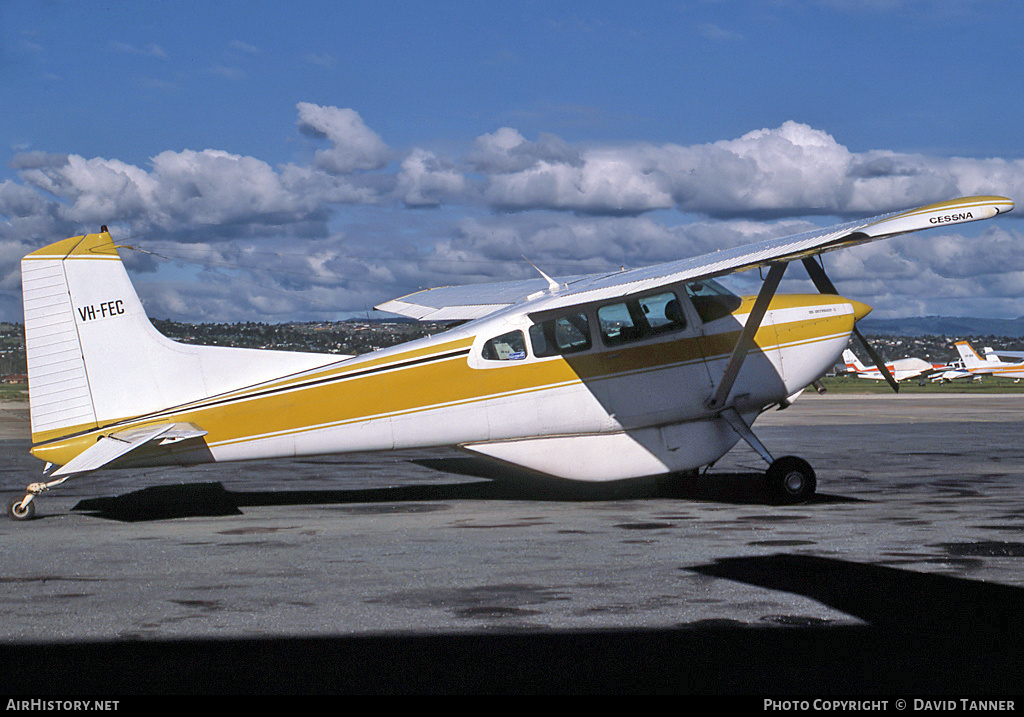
(305, 160)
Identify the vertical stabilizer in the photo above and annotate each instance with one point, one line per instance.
(94, 357)
(853, 364)
(969, 355)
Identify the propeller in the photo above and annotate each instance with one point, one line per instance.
(825, 286)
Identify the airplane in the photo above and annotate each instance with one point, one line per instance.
(952, 371)
(991, 365)
(656, 371)
(990, 354)
(900, 369)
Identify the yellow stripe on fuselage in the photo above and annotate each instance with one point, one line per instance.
(435, 374)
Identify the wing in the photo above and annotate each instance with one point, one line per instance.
(476, 301)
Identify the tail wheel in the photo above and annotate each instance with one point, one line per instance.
(791, 480)
(17, 511)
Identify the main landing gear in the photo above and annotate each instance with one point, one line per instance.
(788, 479)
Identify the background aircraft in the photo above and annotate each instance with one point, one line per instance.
(991, 364)
(991, 354)
(953, 371)
(901, 369)
(601, 377)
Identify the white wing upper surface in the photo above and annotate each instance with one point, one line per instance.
(478, 300)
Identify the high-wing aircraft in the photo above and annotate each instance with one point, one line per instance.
(991, 364)
(601, 377)
(900, 369)
(992, 354)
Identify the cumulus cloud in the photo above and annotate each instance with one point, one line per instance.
(791, 170)
(353, 145)
(569, 208)
(428, 180)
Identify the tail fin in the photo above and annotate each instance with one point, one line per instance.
(969, 355)
(95, 358)
(852, 362)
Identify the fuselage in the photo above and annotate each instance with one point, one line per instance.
(617, 367)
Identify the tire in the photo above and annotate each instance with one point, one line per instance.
(791, 480)
(16, 512)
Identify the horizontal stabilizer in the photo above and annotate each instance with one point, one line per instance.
(111, 447)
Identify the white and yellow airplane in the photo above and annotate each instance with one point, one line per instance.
(601, 377)
(900, 369)
(991, 364)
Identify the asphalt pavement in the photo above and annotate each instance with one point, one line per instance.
(436, 572)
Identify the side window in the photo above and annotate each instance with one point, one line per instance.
(619, 324)
(507, 347)
(564, 335)
(663, 313)
(639, 318)
(712, 300)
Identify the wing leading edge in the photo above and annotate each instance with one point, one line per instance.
(453, 303)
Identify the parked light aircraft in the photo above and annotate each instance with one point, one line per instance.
(991, 365)
(900, 369)
(992, 354)
(600, 377)
(952, 371)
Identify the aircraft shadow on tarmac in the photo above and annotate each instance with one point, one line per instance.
(923, 635)
(498, 482)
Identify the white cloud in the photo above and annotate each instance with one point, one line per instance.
(354, 146)
(567, 207)
(427, 180)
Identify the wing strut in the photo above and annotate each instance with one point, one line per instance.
(739, 352)
(825, 286)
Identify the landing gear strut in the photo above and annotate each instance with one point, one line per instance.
(789, 479)
(25, 508)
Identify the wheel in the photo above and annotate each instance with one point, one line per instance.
(791, 480)
(16, 512)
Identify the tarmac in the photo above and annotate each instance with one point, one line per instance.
(433, 572)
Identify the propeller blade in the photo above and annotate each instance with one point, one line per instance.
(825, 286)
(877, 360)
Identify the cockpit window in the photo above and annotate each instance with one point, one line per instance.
(507, 347)
(564, 335)
(638, 318)
(712, 300)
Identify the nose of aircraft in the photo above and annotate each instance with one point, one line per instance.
(860, 310)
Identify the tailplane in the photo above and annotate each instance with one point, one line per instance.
(94, 358)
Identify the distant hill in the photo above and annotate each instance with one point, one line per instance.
(943, 326)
